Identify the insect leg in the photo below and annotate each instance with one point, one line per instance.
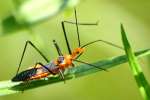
(44, 67)
(106, 42)
(62, 75)
(84, 24)
(89, 64)
(25, 47)
(26, 84)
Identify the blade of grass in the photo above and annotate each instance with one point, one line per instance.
(8, 87)
(136, 68)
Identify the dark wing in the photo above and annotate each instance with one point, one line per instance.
(24, 75)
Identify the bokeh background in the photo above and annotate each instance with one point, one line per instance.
(117, 84)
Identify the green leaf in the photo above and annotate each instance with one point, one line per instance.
(33, 11)
(10, 25)
(8, 87)
(27, 13)
(136, 68)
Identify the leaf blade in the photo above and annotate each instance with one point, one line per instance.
(8, 87)
(135, 67)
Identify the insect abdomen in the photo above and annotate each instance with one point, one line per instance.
(25, 75)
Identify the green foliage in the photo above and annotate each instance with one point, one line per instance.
(135, 67)
(8, 87)
(27, 13)
(10, 25)
(33, 11)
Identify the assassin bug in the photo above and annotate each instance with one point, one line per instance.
(57, 66)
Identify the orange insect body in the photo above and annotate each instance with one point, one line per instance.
(68, 59)
(67, 62)
(38, 76)
(76, 52)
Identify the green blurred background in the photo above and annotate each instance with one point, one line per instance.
(117, 84)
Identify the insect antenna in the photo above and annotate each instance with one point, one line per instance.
(65, 35)
(109, 43)
(77, 28)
